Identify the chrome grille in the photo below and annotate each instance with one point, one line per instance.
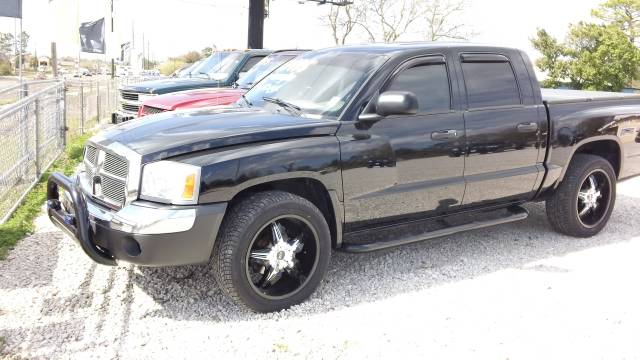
(115, 165)
(91, 154)
(130, 108)
(129, 96)
(152, 110)
(108, 170)
(113, 189)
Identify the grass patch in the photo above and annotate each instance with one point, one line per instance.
(20, 223)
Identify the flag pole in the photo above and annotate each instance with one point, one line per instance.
(20, 56)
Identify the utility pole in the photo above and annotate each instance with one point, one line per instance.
(54, 60)
(256, 24)
(113, 63)
(257, 14)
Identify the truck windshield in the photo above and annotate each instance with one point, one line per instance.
(224, 68)
(210, 64)
(316, 83)
(186, 72)
(262, 69)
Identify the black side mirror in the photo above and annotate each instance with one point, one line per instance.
(392, 103)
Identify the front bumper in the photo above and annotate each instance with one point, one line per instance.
(122, 116)
(142, 233)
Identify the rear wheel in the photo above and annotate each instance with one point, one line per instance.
(582, 204)
(272, 251)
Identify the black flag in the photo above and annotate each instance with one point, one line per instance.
(11, 8)
(124, 50)
(92, 36)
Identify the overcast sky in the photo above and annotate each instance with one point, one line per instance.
(173, 27)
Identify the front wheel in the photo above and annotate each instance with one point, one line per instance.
(272, 251)
(582, 204)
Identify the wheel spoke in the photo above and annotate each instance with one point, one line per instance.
(584, 211)
(277, 232)
(260, 256)
(592, 183)
(582, 196)
(270, 278)
(297, 245)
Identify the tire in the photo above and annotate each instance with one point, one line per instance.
(564, 207)
(250, 224)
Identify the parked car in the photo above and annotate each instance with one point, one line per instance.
(357, 148)
(80, 72)
(221, 69)
(191, 99)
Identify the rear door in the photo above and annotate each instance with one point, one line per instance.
(503, 130)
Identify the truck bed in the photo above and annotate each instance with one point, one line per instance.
(598, 114)
(555, 96)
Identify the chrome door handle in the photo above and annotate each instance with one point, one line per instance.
(527, 127)
(444, 134)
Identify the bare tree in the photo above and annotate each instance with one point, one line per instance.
(439, 15)
(342, 20)
(387, 20)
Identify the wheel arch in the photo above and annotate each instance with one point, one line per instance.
(307, 187)
(605, 146)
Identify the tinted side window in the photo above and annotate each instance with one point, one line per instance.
(251, 62)
(429, 82)
(490, 84)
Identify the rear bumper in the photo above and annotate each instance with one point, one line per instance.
(141, 233)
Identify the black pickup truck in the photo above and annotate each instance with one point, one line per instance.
(355, 148)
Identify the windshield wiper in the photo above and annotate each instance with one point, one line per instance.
(294, 109)
(203, 73)
(244, 97)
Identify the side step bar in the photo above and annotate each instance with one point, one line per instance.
(515, 213)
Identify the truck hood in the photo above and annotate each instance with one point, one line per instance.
(195, 98)
(165, 86)
(175, 133)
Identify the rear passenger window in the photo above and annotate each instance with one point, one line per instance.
(429, 82)
(490, 84)
(251, 62)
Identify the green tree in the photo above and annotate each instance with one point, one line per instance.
(191, 57)
(593, 57)
(624, 14)
(23, 42)
(171, 65)
(6, 44)
(206, 52)
(553, 60)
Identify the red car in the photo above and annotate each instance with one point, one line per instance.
(215, 96)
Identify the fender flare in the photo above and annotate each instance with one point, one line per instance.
(589, 140)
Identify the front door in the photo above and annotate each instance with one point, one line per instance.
(403, 167)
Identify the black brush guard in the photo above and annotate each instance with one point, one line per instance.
(75, 224)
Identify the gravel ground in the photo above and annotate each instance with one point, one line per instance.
(516, 291)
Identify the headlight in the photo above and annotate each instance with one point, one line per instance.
(170, 182)
(143, 97)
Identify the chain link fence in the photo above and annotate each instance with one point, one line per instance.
(33, 120)
(31, 138)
